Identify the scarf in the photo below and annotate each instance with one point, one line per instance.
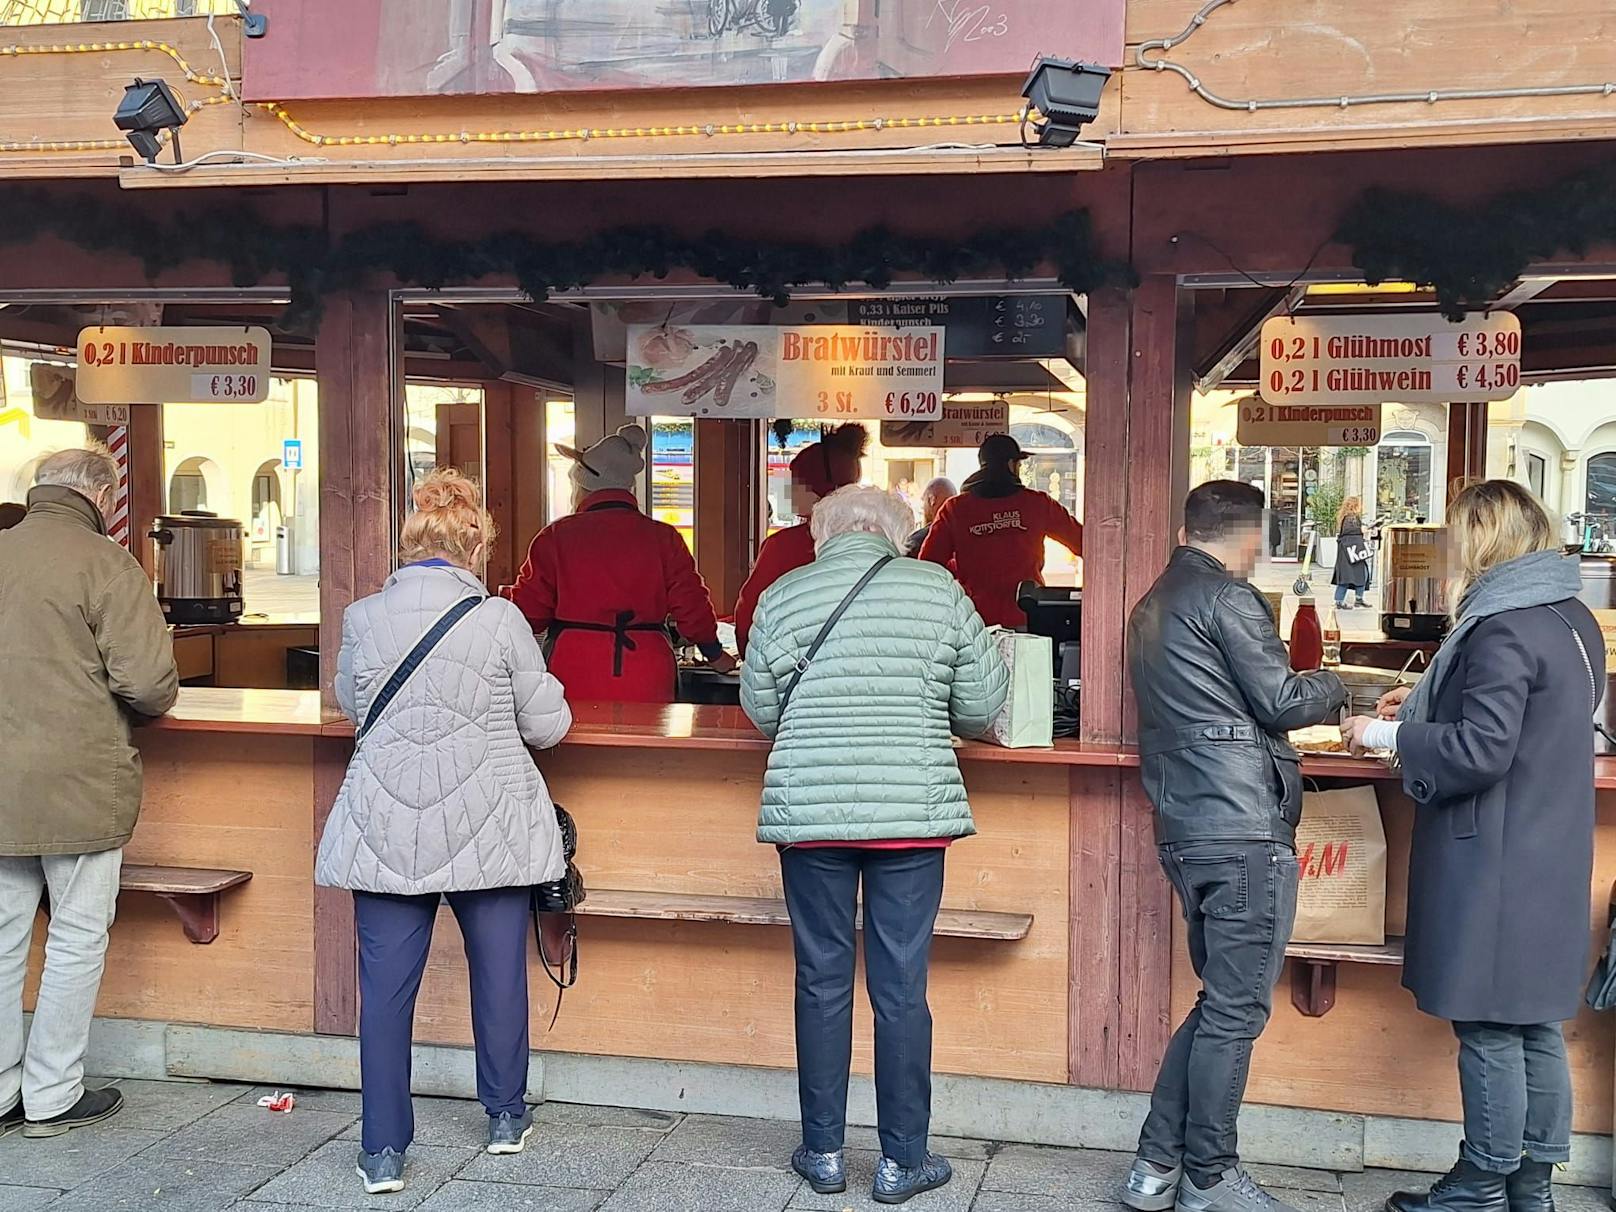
(1538, 579)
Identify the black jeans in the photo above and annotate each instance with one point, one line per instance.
(1516, 1086)
(902, 890)
(1239, 901)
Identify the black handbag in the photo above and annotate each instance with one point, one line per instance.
(562, 897)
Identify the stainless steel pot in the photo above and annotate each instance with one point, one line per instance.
(1414, 580)
(198, 567)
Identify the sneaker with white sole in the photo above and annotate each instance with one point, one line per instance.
(1151, 1187)
(1236, 1191)
(93, 1107)
(508, 1133)
(383, 1172)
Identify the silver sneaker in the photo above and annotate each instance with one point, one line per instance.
(1150, 1188)
(508, 1133)
(1236, 1191)
(826, 1173)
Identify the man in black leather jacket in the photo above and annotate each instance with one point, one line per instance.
(1216, 697)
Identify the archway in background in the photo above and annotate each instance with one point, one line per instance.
(266, 512)
(197, 483)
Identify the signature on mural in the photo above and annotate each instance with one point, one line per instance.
(969, 22)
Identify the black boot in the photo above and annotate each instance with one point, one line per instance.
(1465, 1188)
(1531, 1188)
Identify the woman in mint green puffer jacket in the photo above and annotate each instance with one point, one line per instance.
(863, 788)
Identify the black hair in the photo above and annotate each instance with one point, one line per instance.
(1217, 506)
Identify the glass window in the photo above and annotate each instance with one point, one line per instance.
(560, 428)
(1537, 472)
(1601, 493)
(1403, 478)
(673, 474)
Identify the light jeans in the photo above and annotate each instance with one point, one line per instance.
(83, 898)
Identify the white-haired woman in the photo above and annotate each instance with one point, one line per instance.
(860, 667)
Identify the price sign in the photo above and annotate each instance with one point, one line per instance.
(837, 372)
(206, 388)
(1389, 359)
(1259, 423)
(173, 365)
(962, 426)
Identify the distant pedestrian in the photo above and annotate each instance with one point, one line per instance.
(442, 799)
(1351, 554)
(1496, 744)
(84, 654)
(933, 497)
(860, 666)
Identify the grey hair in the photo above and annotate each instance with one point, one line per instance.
(862, 509)
(90, 471)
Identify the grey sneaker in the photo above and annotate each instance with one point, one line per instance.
(1151, 1188)
(895, 1184)
(93, 1107)
(508, 1133)
(383, 1172)
(826, 1172)
(1236, 1191)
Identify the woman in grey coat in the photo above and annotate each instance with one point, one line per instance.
(1496, 745)
(442, 800)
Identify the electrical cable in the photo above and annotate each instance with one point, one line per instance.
(230, 155)
(1285, 286)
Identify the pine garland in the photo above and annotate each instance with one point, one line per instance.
(312, 265)
(1470, 255)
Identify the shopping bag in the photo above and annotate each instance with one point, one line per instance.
(1028, 718)
(1341, 851)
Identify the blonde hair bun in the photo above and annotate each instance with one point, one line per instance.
(445, 488)
(449, 519)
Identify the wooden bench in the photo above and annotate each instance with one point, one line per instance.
(767, 911)
(1314, 968)
(192, 892)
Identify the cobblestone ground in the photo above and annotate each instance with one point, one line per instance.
(186, 1147)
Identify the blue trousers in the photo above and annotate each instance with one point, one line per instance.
(902, 892)
(395, 933)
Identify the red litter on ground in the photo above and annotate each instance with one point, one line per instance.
(279, 1101)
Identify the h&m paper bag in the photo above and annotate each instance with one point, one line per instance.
(1028, 718)
(1341, 850)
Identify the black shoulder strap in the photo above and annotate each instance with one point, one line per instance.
(835, 617)
(412, 661)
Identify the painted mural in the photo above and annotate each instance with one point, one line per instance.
(370, 48)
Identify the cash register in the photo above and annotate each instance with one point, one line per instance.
(1056, 611)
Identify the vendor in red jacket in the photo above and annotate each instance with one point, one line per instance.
(994, 532)
(833, 462)
(604, 581)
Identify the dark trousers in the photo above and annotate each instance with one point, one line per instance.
(1239, 901)
(395, 933)
(902, 891)
(1516, 1087)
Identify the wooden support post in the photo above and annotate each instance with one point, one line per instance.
(728, 459)
(1137, 458)
(1467, 446)
(500, 472)
(147, 490)
(357, 375)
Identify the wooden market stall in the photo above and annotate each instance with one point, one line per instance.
(1057, 973)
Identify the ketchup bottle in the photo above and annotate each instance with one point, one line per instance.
(1307, 637)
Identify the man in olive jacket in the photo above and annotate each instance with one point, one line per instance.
(1216, 697)
(84, 653)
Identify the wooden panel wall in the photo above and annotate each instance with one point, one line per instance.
(213, 801)
(1375, 1053)
(717, 992)
(1272, 49)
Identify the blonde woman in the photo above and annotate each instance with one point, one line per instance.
(1496, 745)
(448, 689)
(1351, 554)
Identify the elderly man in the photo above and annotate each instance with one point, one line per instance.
(932, 498)
(83, 654)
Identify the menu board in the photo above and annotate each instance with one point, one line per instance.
(838, 372)
(1382, 359)
(1262, 424)
(979, 326)
(961, 427)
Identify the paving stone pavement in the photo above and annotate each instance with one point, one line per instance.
(208, 1147)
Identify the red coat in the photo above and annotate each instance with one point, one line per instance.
(603, 581)
(998, 542)
(782, 551)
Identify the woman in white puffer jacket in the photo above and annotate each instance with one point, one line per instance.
(442, 799)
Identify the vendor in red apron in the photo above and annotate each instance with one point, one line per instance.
(833, 462)
(605, 581)
(993, 533)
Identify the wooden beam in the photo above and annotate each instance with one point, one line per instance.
(1467, 446)
(147, 490)
(728, 457)
(501, 469)
(355, 371)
